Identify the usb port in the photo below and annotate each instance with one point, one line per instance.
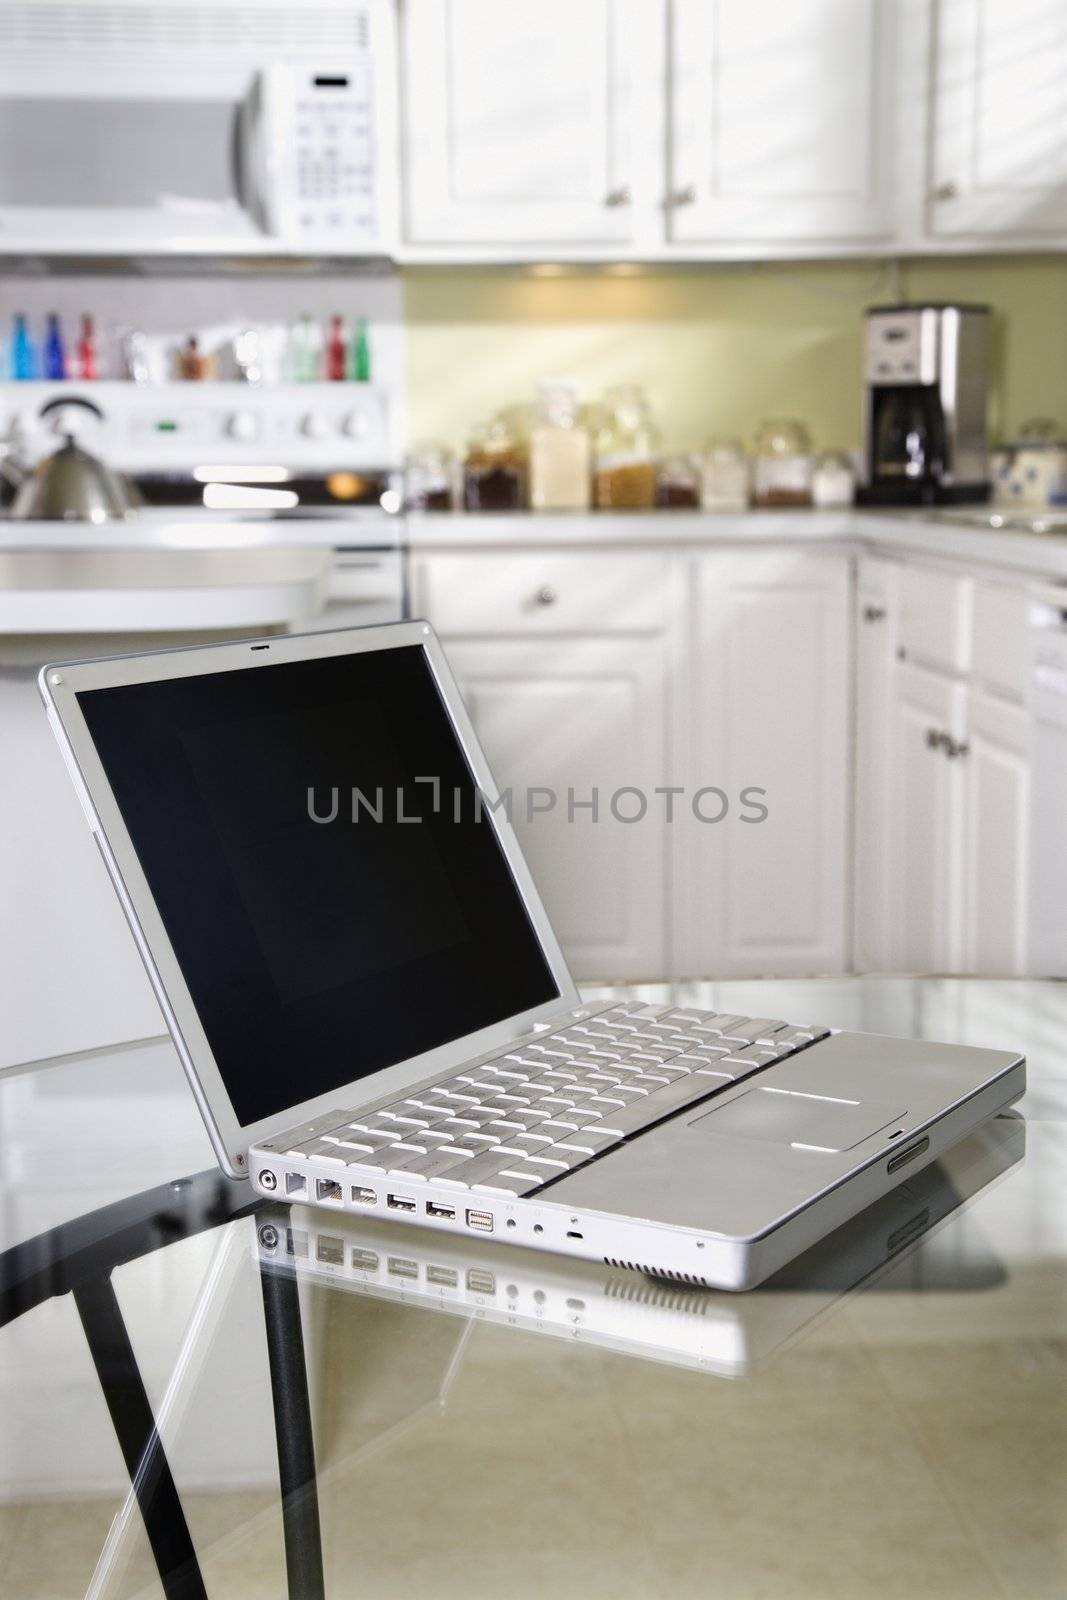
(400, 1202)
(362, 1196)
(482, 1220)
(328, 1190)
(481, 1282)
(296, 1186)
(331, 1250)
(444, 1276)
(365, 1260)
(401, 1267)
(448, 1213)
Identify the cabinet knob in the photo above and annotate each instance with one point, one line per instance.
(956, 749)
(619, 197)
(686, 196)
(874, 613)
(935, 738)
(945, 191)
(545, 596)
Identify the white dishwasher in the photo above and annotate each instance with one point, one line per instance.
(1047, 692)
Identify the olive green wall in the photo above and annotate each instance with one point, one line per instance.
(717, 348)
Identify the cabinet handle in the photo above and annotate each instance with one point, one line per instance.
(935, 738)
(686, 196)
(545, 596)
(945, 191)
(874, 613)
(619, 197)
(956, 748)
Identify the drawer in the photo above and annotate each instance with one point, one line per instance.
(935, 617)
(999, 648)
(528, 592)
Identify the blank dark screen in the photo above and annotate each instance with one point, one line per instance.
(318, 948)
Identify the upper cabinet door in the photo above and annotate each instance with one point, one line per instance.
(999, 162)
(780, 121)
(520, 121)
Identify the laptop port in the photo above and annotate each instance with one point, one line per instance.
(296, 1242)
(328, 1190)
(401, 1267)
(481, 1282)
(365, 1260)
(400, 1202)
(363, 1196)
(296, 1185)
(447, 1213)
(445, 1276)
(331, 1250)
(267, 1180)
(482, 1220)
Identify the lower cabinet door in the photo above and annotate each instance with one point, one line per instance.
(765, 718)
(926, 828)
(996, 776)
(576, 728)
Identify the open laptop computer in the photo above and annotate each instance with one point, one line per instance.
(374, 1013)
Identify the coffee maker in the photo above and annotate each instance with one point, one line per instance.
(924, 413)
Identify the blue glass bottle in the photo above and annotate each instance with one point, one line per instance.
(23, 354)
(55, 357)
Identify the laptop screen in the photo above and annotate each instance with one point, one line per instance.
(336, 896)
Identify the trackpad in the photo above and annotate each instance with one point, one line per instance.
(806, 1121)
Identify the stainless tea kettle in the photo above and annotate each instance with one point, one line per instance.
(71, 485)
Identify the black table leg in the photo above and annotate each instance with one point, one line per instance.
(142, 1449)
(296, 1444)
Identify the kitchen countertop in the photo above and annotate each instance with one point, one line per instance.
(916, 532)
(886, 1418)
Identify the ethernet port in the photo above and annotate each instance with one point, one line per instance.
(328, 1191)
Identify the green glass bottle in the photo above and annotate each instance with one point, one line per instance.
(359, 354)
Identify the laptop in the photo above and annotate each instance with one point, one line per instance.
(376, 1017)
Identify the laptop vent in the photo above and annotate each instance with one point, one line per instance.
(650, 1294)
(658, 1272)
(255, 32)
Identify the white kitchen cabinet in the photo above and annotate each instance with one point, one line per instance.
(998, 165)
(877, 613)
(564, 663)
(996, 804)
(925, 840)
(523, 124)
(765, 705)
(779, 120)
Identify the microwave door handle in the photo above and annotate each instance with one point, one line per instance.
(253, 187)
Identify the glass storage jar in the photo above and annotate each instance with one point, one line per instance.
(783, 465)
(625, 478)
(724, 476)
(678, 484)
(494, 473)
(429, 474)
(561, 453)
(833, 482)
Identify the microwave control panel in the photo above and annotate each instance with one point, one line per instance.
(320, 157)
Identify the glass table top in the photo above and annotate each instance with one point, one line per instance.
(204, 1395)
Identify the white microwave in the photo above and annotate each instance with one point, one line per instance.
(141, 127)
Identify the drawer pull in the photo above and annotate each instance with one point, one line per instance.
(545, 596)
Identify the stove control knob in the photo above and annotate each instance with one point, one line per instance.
(356, 424)
(243, 425)
(313, 425)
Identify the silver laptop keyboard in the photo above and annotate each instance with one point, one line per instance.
(514, 1123)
